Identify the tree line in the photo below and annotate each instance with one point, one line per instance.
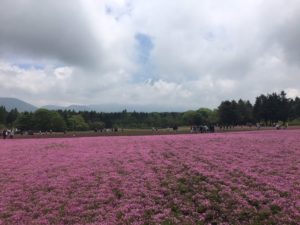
(267, 109)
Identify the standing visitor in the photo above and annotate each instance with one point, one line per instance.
(11, 134)
(4, 134)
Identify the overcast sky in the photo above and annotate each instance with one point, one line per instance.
(161, 53)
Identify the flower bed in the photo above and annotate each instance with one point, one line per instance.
(229, 178)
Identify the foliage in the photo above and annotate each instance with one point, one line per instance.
(76, 122)
(245, 110)
(193, 118)
(42, 120)
(46, 120)
(3, 114)
(269, 109)
(58, 123)
(228, 113)
(11, 117)
(97, 125)
(295, 122)
(272, 108)
(294, 108)
(25, 121)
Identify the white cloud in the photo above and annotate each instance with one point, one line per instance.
(292, 93)
(203, 51)
(16, 79)
(62, 73)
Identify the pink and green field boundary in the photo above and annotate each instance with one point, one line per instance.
(222, 178)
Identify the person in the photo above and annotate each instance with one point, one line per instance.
(212, 128)
(175, 128)
(258, 126)
(11, 134)
(4, 133)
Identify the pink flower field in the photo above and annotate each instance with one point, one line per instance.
(228, 178)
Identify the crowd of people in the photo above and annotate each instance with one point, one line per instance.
(6, 133)
(9, 133)
(203, 129)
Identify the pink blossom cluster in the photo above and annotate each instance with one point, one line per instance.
(228, 178)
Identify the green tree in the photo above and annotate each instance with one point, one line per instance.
(24, 121)
(3, 115)
(192, 117)
(77, 123)
(57, 122)
(259, 111)
(228, 113)
(42, 120)
(213, 117)
(97, 125)
(245, 112)
(272, 108)
(154, 119)
(295, 108)
(285, 107)
(46, 120)
(12, 116)
(208, 116)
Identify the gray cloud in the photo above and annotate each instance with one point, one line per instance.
(288, 36)
(203, 51)
(57, 30)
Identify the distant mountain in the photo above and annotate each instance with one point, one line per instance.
(53, 107)
(11, 103)
(79, 108)
(21, 106)
(76, 108)
(134, 107)
(115, 108)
